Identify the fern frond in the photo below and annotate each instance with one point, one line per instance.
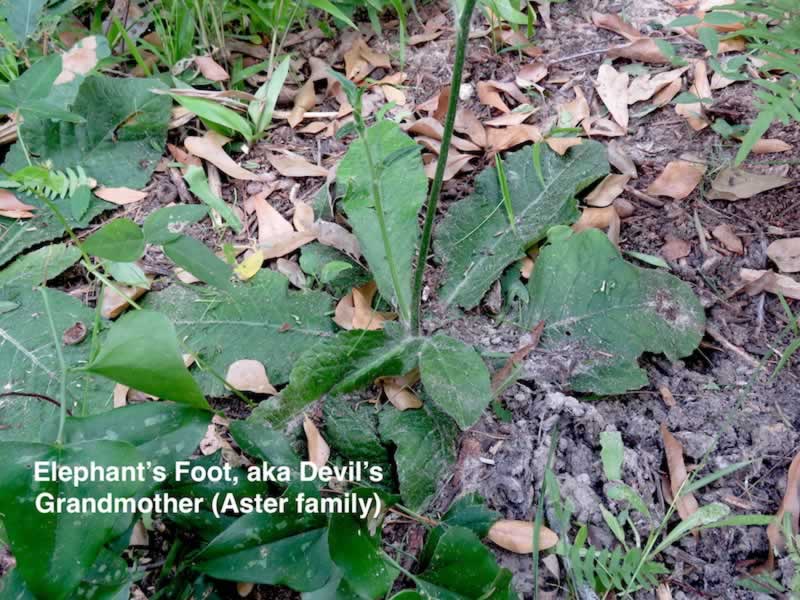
(613, 570)
(51, 183)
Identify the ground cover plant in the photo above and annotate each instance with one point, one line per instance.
(526, 279)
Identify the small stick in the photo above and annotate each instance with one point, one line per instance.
(644, 197)
(730, 347)
(37, 396)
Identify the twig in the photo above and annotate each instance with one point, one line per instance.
(579, 55)
(730, 347)
(37, 396)
(644, 197)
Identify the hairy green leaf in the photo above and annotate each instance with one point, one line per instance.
(40, 265)
(426, 450)
(475, 242)
(260, 320)
(120, 240)
(168, 224)
(402, 186)
(456, 379)
(603, 312)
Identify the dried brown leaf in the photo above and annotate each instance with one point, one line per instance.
(772, 282)
(678, 179)
(560, 145)
(618, 157)
(737, 184)
(785, 254)
(607, 190)
(644, 50)
(12, 208)
(336, 236)
(431, 128)
(517, 536)
(617, 25)
(726, 235)
(645, 86)
(456, 162)
(605, 218)
(318, 450)
(686, 503)
(508, 137)
(789, 504)
(292, 271)
(120, 196)
(114, 304)
(211, 69)
(573, 113)
(531, 73)
(399, 392)
(249, 376)
(294, 165)
(769, 146)
(78, 60)
(210, 148)
(304, 101)
(676, 248)
(693, 111)
(612, 87)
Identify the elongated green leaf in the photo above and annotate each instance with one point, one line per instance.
(260, 110)
(28, 362)
(402, 186)
(704, 516)
(330, 8)
(120, 240)
(622, 492)
(612, 453)
(259, 320)
(198, 184)
(141, 351)
(607, 311)
(425, 440)
(214, 112)
(195, 257)
(36, 82)
(352, 431)
(55, 550)
(475, 242)
(40, 265)
(456, 379)
(263, 442)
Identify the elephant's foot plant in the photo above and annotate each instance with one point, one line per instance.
(591, 304)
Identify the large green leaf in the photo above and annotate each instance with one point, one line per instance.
(260, 320)
(456, 379)
(352, 431)
(426, 450)
(23, 17)
(195, 257)
(288, 549)
(402, 186)
(55, 550)
(20, 234)
(346, 362)
(460, 567)
(120, 240)
(475, 241)
(356, 548)
(141, 351)
(40, 265)
(28, 362)
(607, 312)
(121, 140)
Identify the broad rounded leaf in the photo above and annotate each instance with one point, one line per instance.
(120, 240)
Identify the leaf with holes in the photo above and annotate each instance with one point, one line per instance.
(604, 313)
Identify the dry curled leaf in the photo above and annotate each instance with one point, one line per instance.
(304, 101)
(572, 113)
(276, 236)
(499, 139)
(78, 60)
(675, 249)
(431, 128)
(336, 236)
(686, 503)
(618, 157)
(737, 184)
(786, 254)
(249, 266)
(693, 111)
(644, 50)
(645, 86)
(114, 303)
(456, 162)
(398, 390)
(607, 190)
(560, 145)
(249, 376)
(531, 73)
(612, 87)
(789, 504)
(210, 148)
(12, 208)
(770, 146)
(120, 395)
(318, 450)
(617, 25)
(244, 588)
(725, 234)
(75, 334)
(489, 94)
(606, 218)
(292, 271)
(120, 196)
(289, 164)
(517, 536)
(678, 179)
(666, 95)
(354, 311)
(771, 282)
(360, 60)
(211, 69)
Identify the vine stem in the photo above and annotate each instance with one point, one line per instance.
(62, 393)
(436, 186)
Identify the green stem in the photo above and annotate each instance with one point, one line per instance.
(436, 186)
(402, 303)
(62, 395)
